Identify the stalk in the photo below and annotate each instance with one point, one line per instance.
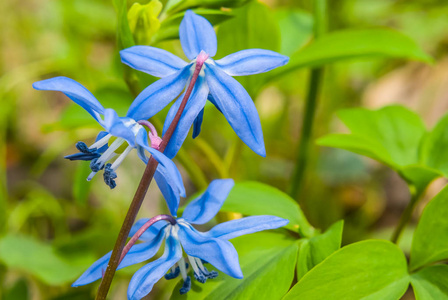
(405, 217)
(315, 82)
(141, 191)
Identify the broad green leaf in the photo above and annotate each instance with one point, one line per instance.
(19, 291)
(254, 26)
(373, 269)
(36, 258)
(143, 21)
(267, 260)
(433, 152)
(353, 43)
(313, 251)
(430, 283)
(170, 26)
(254, 198)
(430, 243)
(296, 29)
(391, 135)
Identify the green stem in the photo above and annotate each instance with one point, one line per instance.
(405, 217)
(314, 85)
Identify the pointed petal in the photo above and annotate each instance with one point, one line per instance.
(75, 91)
(154, 61)
(156, 96)
(218, 252)
(150, 233)
(167, 175)
(196, 34)
(251, 61)
(116, 126)
(137, 254)
(205, 207)
(232, 229)
(145, 278)
(237, 106)
(197, 124)
(194, 106)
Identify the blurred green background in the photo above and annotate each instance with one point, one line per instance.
(54, 224)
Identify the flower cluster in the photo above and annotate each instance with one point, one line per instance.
(209, 79)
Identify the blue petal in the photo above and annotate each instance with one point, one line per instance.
(116, 126)
(232, 229)
(151, 232)
(75, 91)
(196, 34)
(166, 170)
(145, 278)
(172, 198)
(205, 207)
(218, 252)
(156, 96)
(137, 254)
(251, 61)
(154, 61)
(237, 106)
(198, 123)
(194, 106)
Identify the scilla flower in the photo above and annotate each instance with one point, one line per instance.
(199, 42)
(121, 136)
(212, 246)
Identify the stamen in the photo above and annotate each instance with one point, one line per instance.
(186, 286)
(207, 274)
(109, 175)
(173, 274)
(120, 159)
(107, 155)
(82, 147)
(101, 142)
(183, 268)
(197, 273)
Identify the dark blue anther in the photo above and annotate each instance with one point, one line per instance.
(83, 156)
(82, 147)
(172, 275)
(200, 277)
(109, 176)
(94, 166)
(186, 286)
(211, 275)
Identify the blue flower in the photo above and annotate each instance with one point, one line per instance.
(212, 246)
(215, 83)
(119, 132)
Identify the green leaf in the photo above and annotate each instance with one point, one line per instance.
(391, 135)
(433, 152)
(267, 260)
(254, 198)
(36, 258)
(313, 251)
(372, 269)
(296, 29)
(124, 34)
(430, 283)
(19, 291)
(353, 43)
(254, 26)
(430, 243)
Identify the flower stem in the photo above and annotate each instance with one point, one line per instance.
(405, 217)
(142, 229)
(315, 81)
(141, 192)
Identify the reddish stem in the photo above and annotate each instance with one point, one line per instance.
(143, 188)
(142, 229)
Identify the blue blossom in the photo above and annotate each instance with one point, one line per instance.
(215, 83)
(120, 132)
(212, 246)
